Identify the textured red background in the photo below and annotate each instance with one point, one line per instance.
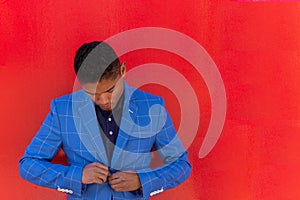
(256, 47)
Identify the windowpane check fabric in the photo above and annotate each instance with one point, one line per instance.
(72, 125)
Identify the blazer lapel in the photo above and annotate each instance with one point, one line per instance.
(126, 126)
(92, 140)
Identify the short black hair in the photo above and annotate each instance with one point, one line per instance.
(95, 61)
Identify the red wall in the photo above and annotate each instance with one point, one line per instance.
(256, 47)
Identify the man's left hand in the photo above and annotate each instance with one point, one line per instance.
(124, 181)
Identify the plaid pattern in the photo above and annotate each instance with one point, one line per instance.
(72, 125)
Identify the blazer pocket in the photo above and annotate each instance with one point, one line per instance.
(139, 145)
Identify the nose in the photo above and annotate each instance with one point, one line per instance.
(102, 99)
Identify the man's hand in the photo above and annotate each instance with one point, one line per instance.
(124, 181)
(94, 173)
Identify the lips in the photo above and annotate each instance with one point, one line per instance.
(105, 106)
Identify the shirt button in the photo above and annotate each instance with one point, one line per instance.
(110, 133)
(109, 119)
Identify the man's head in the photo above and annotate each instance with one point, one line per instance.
(100, 73)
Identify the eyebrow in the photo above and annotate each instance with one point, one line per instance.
(109, 90)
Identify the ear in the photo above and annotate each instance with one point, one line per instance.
(123, 69)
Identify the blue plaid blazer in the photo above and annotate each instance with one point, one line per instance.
(72, 125)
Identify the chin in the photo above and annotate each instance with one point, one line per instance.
(106, 108)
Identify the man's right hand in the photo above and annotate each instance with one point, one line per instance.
(94, 173)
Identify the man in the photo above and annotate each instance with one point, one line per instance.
(108, 131)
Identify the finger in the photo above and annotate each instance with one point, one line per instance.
(99, 180)
(116, 175)
(110, 178)
(103, 177)
(116, 181)
(101, 171)
(118, 187)
(95, 173)
(100, 174)
(101, 166)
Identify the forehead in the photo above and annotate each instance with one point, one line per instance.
(101, 86)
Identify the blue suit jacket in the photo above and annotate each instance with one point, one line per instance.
(72, 125)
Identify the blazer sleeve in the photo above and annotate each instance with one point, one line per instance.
(176, 168)
(35, 166)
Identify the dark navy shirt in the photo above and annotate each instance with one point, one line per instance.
(109, 122)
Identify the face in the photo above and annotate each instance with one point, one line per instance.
(107, 92)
